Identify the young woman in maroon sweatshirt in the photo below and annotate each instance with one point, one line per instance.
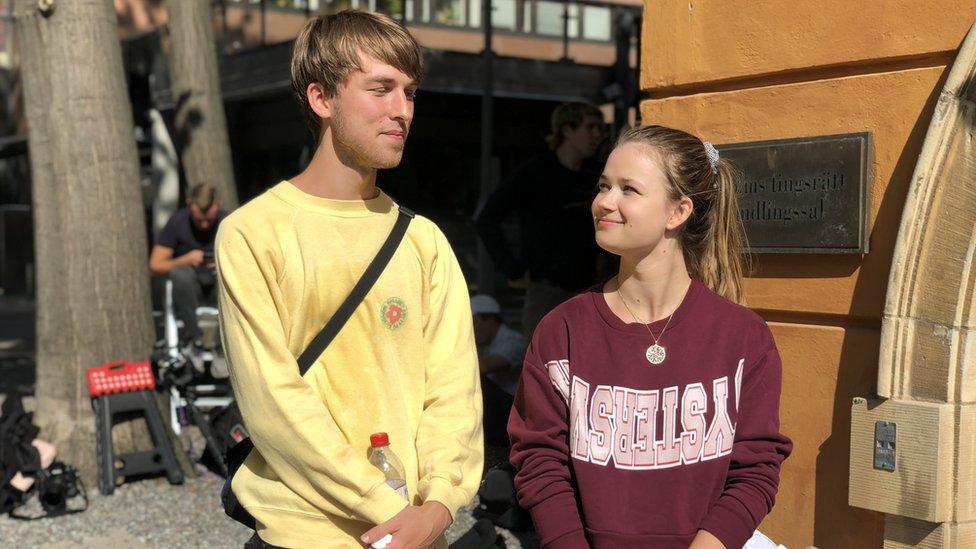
(648, 410)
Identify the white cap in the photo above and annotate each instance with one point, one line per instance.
(482, 304)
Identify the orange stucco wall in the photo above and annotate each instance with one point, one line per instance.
(747, 70)
(696, 41)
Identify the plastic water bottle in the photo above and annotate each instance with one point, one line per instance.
(383, 458)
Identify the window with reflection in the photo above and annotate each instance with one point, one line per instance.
(549, 18)
(448, 12)
(393, 8)
(503, 15)
(474, 13)
(597, 23)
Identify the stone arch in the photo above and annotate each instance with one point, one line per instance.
(927, 363)
(928, 335)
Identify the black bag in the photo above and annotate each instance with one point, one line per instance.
(239, 452)
(498, 500)
(55, 487)
(17, 430)
(227, 427)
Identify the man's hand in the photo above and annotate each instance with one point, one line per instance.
(413, 528)
(193, 258)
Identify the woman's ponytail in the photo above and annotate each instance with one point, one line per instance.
(722, 263)
(712, 240)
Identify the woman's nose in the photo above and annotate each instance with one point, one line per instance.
(605, 202)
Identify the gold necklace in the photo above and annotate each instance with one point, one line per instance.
(655, 354)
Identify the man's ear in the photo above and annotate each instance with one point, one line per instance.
(318, 101)
(564, 130)
(683, 207)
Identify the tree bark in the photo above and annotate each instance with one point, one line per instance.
(201, 124)
(93, 280)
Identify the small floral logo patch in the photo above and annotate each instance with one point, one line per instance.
(393, 313)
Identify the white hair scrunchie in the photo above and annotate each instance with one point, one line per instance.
(712, 153)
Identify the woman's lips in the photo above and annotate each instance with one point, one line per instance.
(604, 223)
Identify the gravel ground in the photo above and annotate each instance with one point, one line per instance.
(192, 514)
(188, 516)
(192, 518)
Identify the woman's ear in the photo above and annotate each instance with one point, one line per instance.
(318, 101)
(680, 212)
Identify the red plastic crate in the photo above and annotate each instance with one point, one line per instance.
(120, 377)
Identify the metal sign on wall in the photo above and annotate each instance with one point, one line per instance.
(806, 195)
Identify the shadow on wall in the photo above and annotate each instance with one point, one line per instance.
(834, 519)
(821, 266)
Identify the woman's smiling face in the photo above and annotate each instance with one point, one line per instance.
(632, 209)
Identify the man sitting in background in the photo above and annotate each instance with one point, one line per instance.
(184, 252)
(500, 353)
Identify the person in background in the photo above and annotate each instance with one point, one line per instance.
(500, 353)
(184, 252)
(550, 195)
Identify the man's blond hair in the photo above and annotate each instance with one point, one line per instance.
(330, 47)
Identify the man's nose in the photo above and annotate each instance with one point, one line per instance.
(402, 107)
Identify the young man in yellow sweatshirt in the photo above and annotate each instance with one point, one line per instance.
(405, 363)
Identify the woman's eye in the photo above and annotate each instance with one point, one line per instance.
(629, 189)
(602, 187)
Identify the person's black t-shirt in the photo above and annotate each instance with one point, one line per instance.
(182, 236)
(557, 236)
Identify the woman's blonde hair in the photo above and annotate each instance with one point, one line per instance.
(330, 47)
(712, 238)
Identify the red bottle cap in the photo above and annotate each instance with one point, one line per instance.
(379, 439)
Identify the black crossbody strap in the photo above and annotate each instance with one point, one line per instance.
(359, 291)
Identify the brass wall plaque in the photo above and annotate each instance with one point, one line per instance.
(806, 195)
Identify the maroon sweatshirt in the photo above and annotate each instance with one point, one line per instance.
(613, 451)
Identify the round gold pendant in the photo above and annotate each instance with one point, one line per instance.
(656, 354)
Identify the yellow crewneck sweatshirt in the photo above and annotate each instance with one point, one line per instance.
(405, 363)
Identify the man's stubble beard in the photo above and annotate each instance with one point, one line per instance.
(366, 155)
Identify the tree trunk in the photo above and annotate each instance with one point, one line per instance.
(93, 281)
(201, 125)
